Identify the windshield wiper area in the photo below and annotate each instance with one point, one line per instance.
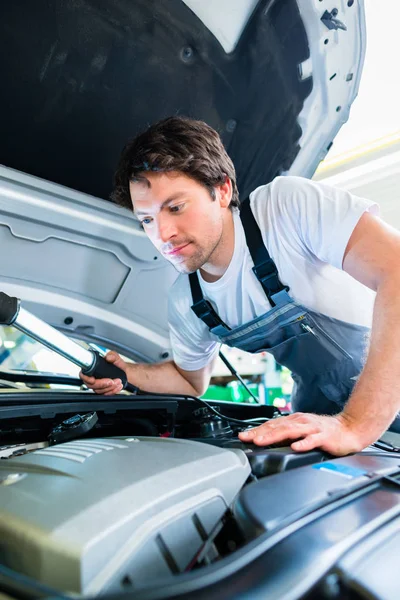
(39, 377)
(381, 445)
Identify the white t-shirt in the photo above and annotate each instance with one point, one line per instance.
(306, 227)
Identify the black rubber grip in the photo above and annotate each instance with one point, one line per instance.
(9, 309)
(103, 369)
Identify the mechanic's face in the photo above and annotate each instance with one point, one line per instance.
(182, 220)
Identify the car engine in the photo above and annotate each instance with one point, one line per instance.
(151, 493)
(95, 515)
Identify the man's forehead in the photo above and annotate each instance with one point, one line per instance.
(157, 189)
(140, 189)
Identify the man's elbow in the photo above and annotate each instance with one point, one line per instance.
(200, 389)
(197, 380)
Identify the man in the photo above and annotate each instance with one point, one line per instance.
(294, 272)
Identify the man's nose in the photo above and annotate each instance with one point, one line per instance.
(166, 229)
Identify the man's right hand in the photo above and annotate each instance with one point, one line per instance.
(106, 387)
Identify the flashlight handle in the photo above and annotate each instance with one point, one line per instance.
(9, 309)
(101, 369)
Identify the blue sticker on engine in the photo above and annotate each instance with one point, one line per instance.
(343, 470)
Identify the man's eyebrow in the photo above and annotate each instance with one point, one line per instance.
(172, 198)
(165, 203)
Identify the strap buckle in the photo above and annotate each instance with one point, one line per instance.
(267, 274)
(204, 310)
(265, 269)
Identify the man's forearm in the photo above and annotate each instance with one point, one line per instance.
(376, 397)
(159, 378)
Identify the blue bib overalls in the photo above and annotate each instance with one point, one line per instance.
(325, 355)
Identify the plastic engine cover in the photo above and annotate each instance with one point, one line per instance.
(95, 515)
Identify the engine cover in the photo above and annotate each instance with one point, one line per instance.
(96, 515)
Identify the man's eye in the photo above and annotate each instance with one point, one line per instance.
(145, 222)
(176, 207)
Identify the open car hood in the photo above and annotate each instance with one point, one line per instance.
(275, 78)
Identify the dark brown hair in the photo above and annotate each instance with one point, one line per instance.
(175, 144)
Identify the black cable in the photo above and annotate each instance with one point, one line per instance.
(204, 403)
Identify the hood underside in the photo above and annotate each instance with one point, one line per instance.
(81, 77)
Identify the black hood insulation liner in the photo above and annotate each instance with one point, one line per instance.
(81, 77)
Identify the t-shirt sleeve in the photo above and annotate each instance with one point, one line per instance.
(193, 345)
(324, 217)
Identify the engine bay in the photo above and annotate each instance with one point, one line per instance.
(144, 488)
(138, 490)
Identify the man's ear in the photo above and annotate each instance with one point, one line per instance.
(225, 192)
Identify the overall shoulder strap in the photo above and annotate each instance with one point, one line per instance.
(264, 267)
(203, 309)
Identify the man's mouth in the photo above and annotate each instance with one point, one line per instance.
(175, 251)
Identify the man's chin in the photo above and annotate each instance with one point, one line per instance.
(184, 268)
(188, 266)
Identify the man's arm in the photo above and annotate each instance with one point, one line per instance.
(164, 377)
(372, 257)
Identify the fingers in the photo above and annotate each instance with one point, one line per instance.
(269, 427)
(331, 434)
(314, 440)
(283, 429)
(284, 434)
(116, 389)
(112, 357)
(106, 387)
(86, 379)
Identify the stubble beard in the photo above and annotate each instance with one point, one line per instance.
(198, 260)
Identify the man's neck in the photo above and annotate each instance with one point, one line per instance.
(220, 259)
